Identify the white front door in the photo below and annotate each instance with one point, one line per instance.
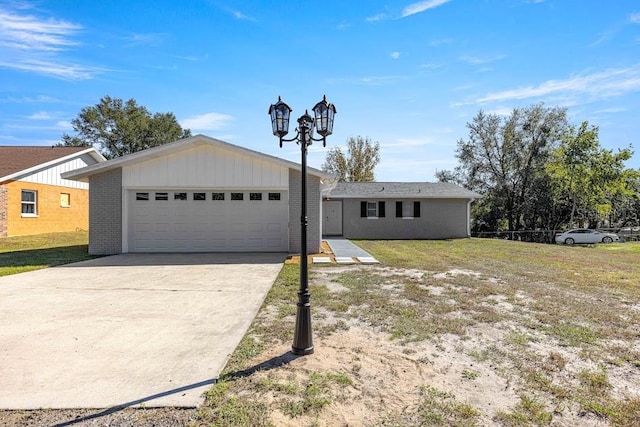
(332, 222)
(208, 221)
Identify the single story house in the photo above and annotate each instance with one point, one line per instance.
(34, 198)
(200, 194)
(397, 210)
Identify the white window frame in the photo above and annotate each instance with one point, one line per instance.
(372, 209)
(407, 209)
(33, 203)
(68, 202)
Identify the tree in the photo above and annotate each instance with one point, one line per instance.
(117, 128)
(587, 177)
(503, 159)
(358, 164)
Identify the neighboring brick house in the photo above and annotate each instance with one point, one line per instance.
(34, 198)
(200, 194)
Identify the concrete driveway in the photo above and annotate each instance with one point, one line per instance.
(128, 329)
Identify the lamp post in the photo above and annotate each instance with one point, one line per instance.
(323, 124)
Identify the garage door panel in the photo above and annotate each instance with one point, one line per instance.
(207, 225)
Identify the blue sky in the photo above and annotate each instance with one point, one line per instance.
(409, 74)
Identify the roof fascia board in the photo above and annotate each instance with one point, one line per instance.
(83, 173)
(91, 151)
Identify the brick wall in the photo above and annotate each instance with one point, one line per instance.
(105, 213)
(3, 211)
(51, 216)
(313, 212)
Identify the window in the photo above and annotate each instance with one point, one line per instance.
(29, 203)
(179, 196)
(274, 196)
(162, 196)
(407, 209)
(142, 196)
(372, 209)
(199, 196)
(237, 196)
(65, 200)
(217, 196)
(255, 196)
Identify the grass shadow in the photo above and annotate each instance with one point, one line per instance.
(23, 260)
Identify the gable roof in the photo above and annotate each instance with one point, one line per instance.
(400, 190)
(83, 174)
(19, 160)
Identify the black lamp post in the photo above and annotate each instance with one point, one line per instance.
(323, 124)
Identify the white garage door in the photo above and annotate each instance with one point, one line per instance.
(208, 221)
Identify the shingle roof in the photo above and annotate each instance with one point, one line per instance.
(409, 190)
(18, 158)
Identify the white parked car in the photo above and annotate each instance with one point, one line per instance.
(585, 235)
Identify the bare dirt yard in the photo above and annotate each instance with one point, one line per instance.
(442, 333)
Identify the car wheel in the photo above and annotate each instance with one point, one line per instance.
(569, 241)
(607, 239)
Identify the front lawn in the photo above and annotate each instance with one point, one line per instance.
(463, 332)
(26, 253)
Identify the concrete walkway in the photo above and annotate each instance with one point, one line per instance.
(125, 330)
(343, 248)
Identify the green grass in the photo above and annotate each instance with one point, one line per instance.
(26, 253)
(580, 302)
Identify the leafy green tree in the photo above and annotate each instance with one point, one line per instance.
(117, 128)
(503, 159)
(587, 177)
(358, 164)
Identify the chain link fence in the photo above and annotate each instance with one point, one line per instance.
(627, 234)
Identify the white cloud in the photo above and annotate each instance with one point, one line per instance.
(375, 18)
(395, 54)
(635, 18)
(611, 110)
(54, 69)
(33, 44)
(64, 124)
(146, 39)
(207, 121)
(440, 42)
(421, 6)
(240, 16)
(40, 115)
(26, 32)
(600, 85)
(431, 66)
(479, 60)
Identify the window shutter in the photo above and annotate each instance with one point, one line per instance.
(363, 209)
(398, 209)
(381, 209)
(416, 209)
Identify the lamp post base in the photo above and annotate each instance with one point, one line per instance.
(303, 337)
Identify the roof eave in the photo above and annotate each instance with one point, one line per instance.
(91, 151)
(83, 174)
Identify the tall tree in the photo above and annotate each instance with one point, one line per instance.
(358, 164)
(587, 177)
(117, 128)
(503, 159)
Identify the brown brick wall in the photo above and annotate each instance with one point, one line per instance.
(51, 217)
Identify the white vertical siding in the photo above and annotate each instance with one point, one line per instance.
(206, 167)
(51, 175)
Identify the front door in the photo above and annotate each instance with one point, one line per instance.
(332, 222)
